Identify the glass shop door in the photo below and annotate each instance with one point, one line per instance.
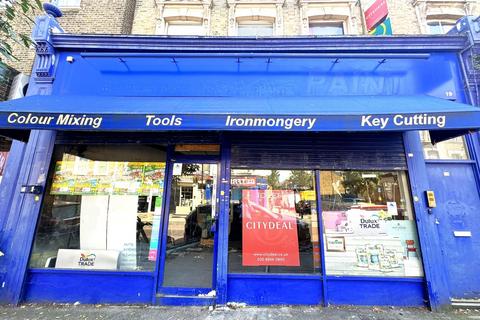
(189, 243)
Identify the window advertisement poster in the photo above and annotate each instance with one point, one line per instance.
(87, 177)
(270, 236)
(372, 243)
(157, 215)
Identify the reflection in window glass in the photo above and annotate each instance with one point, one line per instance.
(440, 27)
(101, 209)
(369, 228)
(326, 28)
(190, 241)
(273, 222)
(452, 149)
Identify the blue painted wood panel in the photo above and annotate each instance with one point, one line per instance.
(458, 210)
(69, 286)
(274, 289)
(378, 292)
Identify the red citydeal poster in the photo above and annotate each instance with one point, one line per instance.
(269, 228)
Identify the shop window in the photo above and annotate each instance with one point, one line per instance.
(440, 27)
(326, 28)
(369, 225)
(273, 222)
(259, 28)
(185, 28)
(452, 149)
(101, 209)
(68, 3)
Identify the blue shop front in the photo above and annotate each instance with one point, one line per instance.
(201, 171)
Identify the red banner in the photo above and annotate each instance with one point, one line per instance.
(269, 228)
(376, 13)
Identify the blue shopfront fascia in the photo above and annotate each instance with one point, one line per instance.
(309, 114)
(389, 81)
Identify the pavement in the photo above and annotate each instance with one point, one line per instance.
(233, 312)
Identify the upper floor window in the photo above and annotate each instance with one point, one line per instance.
(321, 28)
(438, 17)
(185, 28)
(68, 3)
(255, 19)
(189, 18)
(259, 28)
(452, 149)
(439, 26)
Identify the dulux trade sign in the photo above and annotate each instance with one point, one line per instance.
(327, 122)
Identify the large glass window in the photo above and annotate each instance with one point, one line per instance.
(101, 209)
(369, 225)
(191, 239)
(452, 149)
(273, 222)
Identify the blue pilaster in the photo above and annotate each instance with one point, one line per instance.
(435, 273)
(223, 221)
(28, 165)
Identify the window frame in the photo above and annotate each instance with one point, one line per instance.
(441, 23)
(329, 23)
(188, 23)
(267, 22)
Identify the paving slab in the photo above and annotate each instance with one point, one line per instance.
(234, 312)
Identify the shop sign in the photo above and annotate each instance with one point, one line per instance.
(321, 122)
(244, 182)
(87, 259)
(367, 221)
(270, 235)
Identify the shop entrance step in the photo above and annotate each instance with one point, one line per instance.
(465, 303)
(176, 300)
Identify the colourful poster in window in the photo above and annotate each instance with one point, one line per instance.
(269, 228)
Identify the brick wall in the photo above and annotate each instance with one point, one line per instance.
(142, 16)
(94, 16)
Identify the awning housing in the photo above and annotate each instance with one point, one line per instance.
(445, 119)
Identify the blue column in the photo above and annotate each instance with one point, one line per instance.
(28, 165)
(223, 222)
(435, 273)
(9, 180)
(24, 213)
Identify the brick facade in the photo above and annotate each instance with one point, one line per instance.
(220, 17)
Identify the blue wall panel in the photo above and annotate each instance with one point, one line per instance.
(458, 211)
(69, 286)
(380, 292)
(274, 289)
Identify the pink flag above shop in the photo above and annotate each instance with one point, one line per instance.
(269, 228)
